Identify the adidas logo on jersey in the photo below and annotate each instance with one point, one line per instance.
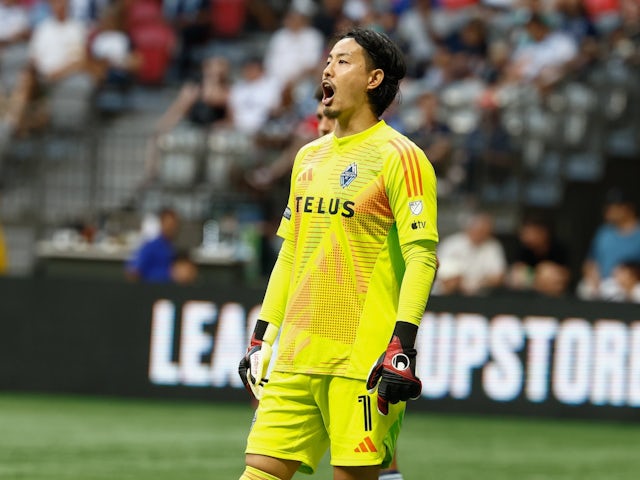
(306, 176)
(366, 446)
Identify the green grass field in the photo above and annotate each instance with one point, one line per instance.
(85, 438)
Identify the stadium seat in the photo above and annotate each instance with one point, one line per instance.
(228, 17)
(155, 43)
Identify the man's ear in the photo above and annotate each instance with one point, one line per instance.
(375, 78)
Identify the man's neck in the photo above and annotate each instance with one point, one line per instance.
(356, 123)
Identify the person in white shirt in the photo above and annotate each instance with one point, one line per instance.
(296, 48)
(253, 97)
(58, 45)
(544, 59)
(14, 22)
(472, 261)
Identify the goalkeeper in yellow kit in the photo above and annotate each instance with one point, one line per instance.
(350, 284)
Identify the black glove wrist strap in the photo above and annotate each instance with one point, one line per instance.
(407, 333)
(259, 331)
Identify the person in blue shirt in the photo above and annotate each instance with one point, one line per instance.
(153, 259)
(616, 241)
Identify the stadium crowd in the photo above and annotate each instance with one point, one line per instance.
(471, 64)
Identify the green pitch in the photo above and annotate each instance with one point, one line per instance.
(83, 438)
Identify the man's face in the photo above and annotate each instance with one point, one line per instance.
(325, 124)
(345, 79)
(59, 9)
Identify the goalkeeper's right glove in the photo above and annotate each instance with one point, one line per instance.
(255, 363)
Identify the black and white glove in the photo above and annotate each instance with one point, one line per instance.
(254, 365)
(394, 372)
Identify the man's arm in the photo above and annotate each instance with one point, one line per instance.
(394, 372)
(255, 363)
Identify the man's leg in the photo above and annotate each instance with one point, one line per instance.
(356, 473)
(262, 467)
(392, 472)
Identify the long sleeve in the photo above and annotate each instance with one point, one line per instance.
(277, 293)
(421, 265)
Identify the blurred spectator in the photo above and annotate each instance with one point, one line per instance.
(202, 103)
(544, 58)
(616, 241)
(473, 261)
(308, 129)
(88, 11)
(58, 45)
(191, 20)
(184, 270)
(253, 97)
(58, 80)
(14, 23)
(623, 285)
(296, 48)
(470, 42)
(415, 30)
(541, 262)
(328, 16)
(153, 260)
(430, 132)
(111, 49)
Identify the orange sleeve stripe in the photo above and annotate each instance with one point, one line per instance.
(411, 167)
(404, 167)
(416, 174)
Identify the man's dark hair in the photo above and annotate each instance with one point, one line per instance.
(381, 53)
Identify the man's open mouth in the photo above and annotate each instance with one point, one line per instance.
(327, 93)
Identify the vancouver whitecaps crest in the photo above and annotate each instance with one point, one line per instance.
(349, 175)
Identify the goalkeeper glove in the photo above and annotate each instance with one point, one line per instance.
(394, 372)
(255, 363)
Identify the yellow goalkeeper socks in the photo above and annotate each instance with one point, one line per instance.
(251, 473)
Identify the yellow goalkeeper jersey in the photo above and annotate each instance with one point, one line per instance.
(353, 202)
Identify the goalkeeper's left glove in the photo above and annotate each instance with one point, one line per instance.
(394, 372)
(255, 363)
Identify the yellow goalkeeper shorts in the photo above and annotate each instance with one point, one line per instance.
(300, 416)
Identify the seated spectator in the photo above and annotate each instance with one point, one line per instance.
(545, 58)
(184, 270)
(58, 46)
(541, 262)
(415, 28)
(202, 103)
(153, 260)
(616, 241)
(623, 285)
(472, 261)
(110, 47)
(264, 177)
(296, 48)
(59, 72)
(253, 97)
(431, 133)
(14, 23)
(191, 21)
